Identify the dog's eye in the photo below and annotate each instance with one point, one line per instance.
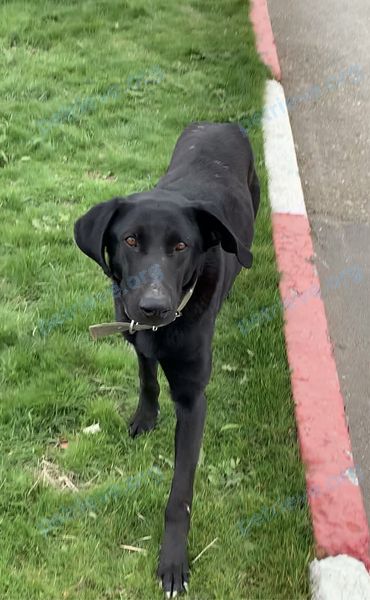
(131, 241)
(180, 246)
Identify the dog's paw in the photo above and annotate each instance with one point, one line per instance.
(173, 572)
(142, 422)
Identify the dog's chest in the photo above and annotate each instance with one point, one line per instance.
(160, 344)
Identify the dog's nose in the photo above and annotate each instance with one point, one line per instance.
(154, 307)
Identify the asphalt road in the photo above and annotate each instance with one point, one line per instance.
(324, 53)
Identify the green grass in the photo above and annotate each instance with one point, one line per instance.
(93, 97)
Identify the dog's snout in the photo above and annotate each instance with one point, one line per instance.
(154, 307)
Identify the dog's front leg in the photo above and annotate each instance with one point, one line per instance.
(190, 411)
(147, 410)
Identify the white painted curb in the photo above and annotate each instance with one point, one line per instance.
(285, 188)
(339, 578)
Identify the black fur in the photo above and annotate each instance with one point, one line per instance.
(208, 199)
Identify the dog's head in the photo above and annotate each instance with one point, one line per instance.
(153, 245)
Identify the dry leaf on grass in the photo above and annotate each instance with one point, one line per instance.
(62, 443)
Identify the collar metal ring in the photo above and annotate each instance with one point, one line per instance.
(132, 327)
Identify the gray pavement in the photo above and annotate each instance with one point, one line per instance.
(318, 43)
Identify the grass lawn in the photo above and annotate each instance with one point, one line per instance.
(93, 96)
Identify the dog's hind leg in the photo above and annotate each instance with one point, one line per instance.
(145, 417)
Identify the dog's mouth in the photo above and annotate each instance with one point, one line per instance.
(140, 318)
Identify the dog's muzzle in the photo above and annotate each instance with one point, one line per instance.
(104, 329)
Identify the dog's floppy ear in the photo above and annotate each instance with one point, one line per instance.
(89, 231)
(229, 222)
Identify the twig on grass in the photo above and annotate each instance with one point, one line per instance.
(132, 548)
(205, 550)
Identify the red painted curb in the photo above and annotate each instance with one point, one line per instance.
(266, 46)
(337, 508)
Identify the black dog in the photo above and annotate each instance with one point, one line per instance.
(196, 227)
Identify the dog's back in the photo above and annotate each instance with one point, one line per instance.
(213, 155)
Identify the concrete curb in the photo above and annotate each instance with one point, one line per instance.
(266, 47)
(339, 519)
(339, 578)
